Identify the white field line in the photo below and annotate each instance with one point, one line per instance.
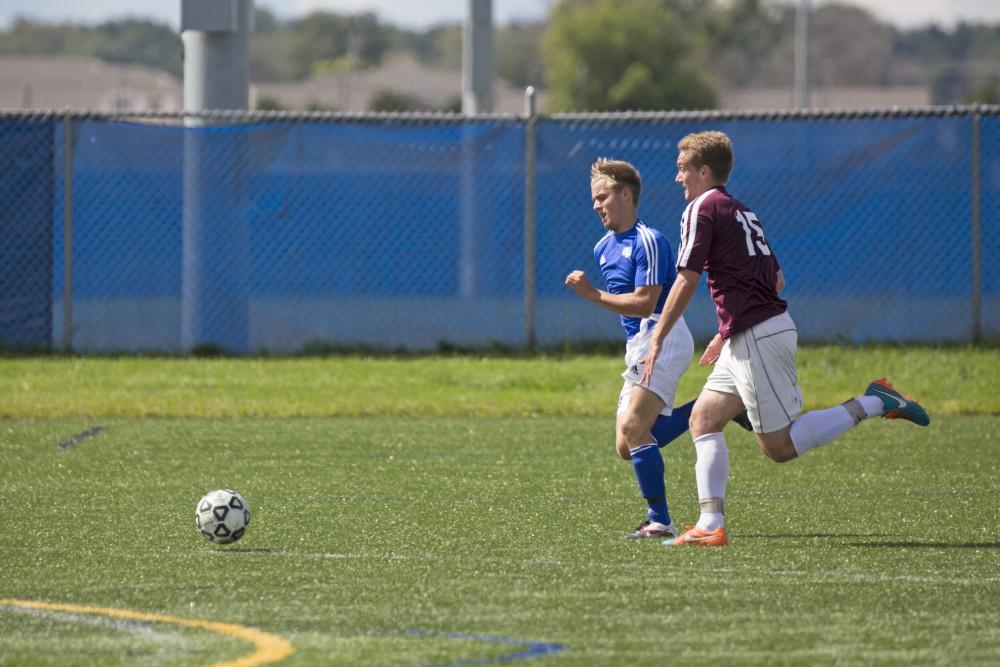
(141, 631)
(828, 575)
(268, 648)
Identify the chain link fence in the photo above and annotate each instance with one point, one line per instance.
(287, 232)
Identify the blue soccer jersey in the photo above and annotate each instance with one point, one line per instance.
(640, 256)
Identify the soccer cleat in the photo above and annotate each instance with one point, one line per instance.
(697, 537)
(897, 404)
(652, 529)
(743, 420)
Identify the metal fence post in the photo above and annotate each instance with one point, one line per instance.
(67, 337)
(530, 164)
(214, 297)
(977, 278)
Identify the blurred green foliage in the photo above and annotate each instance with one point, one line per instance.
(621, 55)
(591, 55)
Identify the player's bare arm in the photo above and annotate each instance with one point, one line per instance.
(639, 303)
(677, 302)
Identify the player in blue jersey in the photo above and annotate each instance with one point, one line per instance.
(636, 262)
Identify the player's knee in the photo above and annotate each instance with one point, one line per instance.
(621, 446)
(781, 457)
(702, 423)
(633, 433)
(779, 453)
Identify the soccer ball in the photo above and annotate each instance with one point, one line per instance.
(222, 516)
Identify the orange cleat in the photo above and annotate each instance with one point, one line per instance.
(696, 537)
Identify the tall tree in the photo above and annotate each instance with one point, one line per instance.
(607, 55)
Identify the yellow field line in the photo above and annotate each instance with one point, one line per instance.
(270, 648)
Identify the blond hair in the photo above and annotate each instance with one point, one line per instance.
(711, 149)
(619, 172)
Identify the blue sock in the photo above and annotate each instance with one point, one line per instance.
(667, 427)
(648, 465)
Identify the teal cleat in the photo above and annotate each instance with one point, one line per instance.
(897, 404)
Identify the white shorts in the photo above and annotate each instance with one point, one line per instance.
(758, 365)
(675, 357)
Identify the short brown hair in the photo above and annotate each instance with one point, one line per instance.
(621, 173)
(712, 149)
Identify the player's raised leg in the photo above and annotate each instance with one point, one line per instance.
(880, 399)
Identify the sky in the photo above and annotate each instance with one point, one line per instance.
(902, 13)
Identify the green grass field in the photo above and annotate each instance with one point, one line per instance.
(467, 511)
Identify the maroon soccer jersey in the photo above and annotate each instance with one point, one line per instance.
(723, 237)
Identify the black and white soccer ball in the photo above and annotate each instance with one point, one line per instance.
(222, 516)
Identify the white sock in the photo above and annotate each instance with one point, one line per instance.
(821, 426)
(711, 472)
(873, 405)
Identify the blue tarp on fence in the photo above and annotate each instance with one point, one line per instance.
(26, 204)
(283, 234)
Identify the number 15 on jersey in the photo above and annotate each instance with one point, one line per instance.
(752, 228)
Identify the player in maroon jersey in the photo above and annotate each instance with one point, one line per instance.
(755, 349)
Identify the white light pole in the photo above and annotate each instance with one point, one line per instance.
(214, 264)
(802, 55)
(477, 58)
(477, 98)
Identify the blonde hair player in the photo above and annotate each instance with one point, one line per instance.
(636, 262)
